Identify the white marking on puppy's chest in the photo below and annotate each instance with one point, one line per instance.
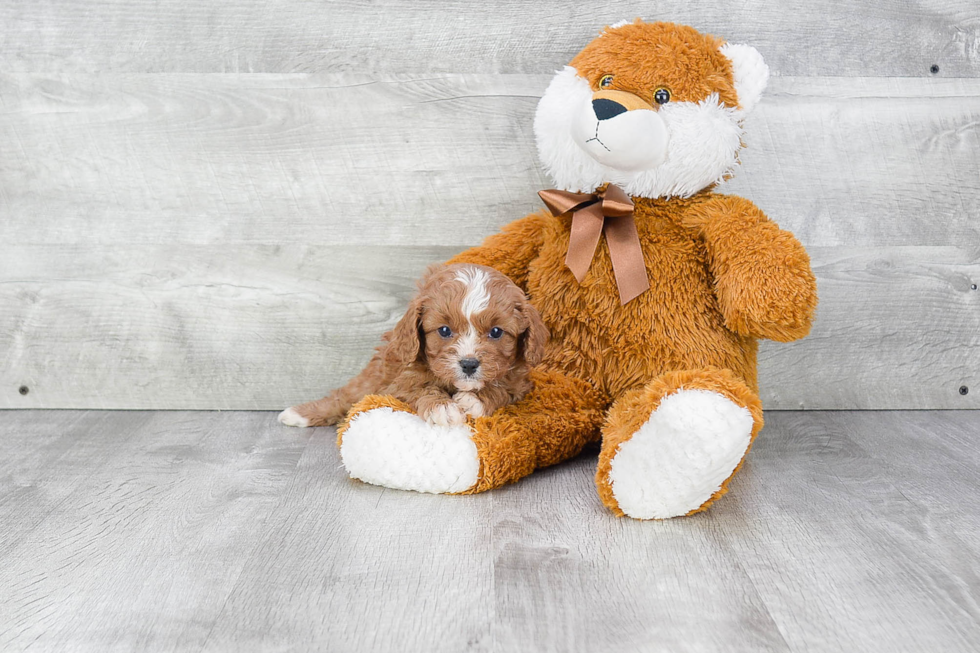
(476, 300)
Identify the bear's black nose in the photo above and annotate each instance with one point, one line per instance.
(606, 109)
(469, 365)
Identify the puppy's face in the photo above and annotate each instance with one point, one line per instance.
(470, 324)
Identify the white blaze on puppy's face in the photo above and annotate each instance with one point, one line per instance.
(476, 300)
(477, 294)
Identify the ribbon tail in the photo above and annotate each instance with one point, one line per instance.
(583, 239)
(627, 258)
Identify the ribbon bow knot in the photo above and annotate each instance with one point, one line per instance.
(608, 211)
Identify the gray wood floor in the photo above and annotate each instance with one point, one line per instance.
(189, 531)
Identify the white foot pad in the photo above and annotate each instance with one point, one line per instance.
(681, 455)
(401, 450)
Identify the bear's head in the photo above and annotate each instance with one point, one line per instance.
(654, 108)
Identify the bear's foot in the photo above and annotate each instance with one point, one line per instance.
(681, 456)
(383, 442)
(670, 449)
(398, 449)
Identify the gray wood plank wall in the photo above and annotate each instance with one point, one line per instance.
(182, 186)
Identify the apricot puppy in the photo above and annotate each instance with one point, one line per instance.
(463, 349)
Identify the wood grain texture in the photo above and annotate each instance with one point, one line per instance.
(264, 327)
(938, 458)
(892, 38)
(850, 531)
(139, 530)
(442, 159)
(896, 328)
(46, 458)
(158, 327)
(567, 577)
(235, 228)
(346, 566)
(860, 538)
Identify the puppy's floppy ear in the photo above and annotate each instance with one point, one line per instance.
(531, 342)
(406, 344)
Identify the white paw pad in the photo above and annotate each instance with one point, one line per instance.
(290, 417)
(681, 455)
(401, 450)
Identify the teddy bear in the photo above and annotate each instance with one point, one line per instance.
(655, 289)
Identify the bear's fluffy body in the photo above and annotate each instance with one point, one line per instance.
(667, 381)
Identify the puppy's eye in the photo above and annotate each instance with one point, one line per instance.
(606, 81)
(445, 331)
(495, 333)
(661, 95)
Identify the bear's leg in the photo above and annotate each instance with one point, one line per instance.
(384, 443)
(671, 448)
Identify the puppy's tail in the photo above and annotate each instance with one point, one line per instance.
(333, 408)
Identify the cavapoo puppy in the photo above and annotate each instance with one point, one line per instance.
(464, 348)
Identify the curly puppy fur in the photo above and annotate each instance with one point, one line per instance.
(463, 349)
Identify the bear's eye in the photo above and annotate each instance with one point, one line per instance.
(606, 81)
(445, 331)
(495, 333)
(661, 95)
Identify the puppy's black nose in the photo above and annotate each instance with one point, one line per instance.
(469, 366)
(606, 109)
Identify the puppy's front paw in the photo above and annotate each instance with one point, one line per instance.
(445, 413)
(470, 404)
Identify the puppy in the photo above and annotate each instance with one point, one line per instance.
(464, 348)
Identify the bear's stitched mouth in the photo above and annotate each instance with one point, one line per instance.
(596, 137)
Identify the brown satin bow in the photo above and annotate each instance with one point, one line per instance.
(609, 211)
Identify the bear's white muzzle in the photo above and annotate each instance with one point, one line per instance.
(631, 141)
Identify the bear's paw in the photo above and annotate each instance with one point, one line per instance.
(400, 450)
(681, 456)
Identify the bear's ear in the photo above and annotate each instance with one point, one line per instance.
(750, 71)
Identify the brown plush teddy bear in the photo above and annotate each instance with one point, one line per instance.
(654, 287)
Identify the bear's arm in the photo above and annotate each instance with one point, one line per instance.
(512, 250)
(762, 275)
